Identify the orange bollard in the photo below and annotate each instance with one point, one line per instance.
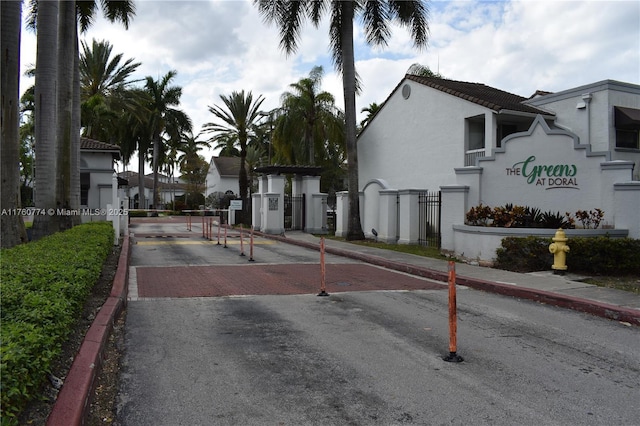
(188, 221)
(323, 289)
(251, 246)
(453, 318)
(241, 244)
(225, 235)
(203, 227)
(219, 225)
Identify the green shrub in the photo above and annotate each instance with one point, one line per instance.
(44, 285)
(592, 256)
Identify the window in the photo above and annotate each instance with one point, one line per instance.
(627, 122)
(85, 183)
(476, 135)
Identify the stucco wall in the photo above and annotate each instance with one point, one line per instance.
(416, 142)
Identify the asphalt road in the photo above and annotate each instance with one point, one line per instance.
(364, 357)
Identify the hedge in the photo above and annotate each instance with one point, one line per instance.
(593, 256)
(44, 285)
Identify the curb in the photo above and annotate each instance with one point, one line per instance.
(601, 309)
(72, 405)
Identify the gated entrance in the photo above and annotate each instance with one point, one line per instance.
(294, 212)
(429, 208)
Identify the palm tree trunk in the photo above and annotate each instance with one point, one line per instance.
(66, 50)
(141, 197)
(354, 227)
(156, 153)
(12, 225)
(75, 132)
(45, 119)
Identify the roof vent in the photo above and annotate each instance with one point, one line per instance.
(406, 91)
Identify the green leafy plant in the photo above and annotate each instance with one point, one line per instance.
(44, 285)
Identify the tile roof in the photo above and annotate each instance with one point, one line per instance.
(478, 93)
(94, 145)
(227, 166)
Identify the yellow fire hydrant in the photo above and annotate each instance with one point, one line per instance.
(559, 248)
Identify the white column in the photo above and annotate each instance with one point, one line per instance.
(388, 219)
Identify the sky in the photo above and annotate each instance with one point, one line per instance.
(520, 46)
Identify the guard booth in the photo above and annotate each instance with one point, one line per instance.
(273, 211)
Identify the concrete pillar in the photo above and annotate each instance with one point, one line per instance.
(471, 177)
(256, 211)
(409, 216)
(342, 213)
(454, 208)
(388, 217)
(626, 207)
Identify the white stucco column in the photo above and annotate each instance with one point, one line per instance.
(388, 217)
(273, 206)
(613, 172)
(454, 208)
(409, 216)
(342, 213)
(471, 177)
(627, 207)
(256, 211)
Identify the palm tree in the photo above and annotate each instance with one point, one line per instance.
(376, 16)
(164, 119)
(240, 119)
(103, 80)
(12, 225)
(45, 118)
(57, 75)
(227, 144)
(371, 110)
(307, 118)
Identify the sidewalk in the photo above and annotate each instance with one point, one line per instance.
(544, 287)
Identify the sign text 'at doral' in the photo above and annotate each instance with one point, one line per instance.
(550, 176)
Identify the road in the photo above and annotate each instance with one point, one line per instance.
(359, 356)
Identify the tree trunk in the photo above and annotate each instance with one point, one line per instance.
(156, 153)
(66, 50)
(45, 119)
(11, 224)
(141, 196)
(75, 131)
(354, 227)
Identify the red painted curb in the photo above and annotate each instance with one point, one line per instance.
(72, 404)
(592, 307)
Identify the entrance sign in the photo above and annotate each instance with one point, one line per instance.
(235, 205)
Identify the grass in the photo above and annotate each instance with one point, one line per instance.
(403, 248)
(626, 283)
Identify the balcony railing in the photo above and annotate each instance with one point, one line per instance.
(470, 156)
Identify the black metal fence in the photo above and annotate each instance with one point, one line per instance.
(294, 212)
(429, 208)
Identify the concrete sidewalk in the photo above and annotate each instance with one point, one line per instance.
(545, 287)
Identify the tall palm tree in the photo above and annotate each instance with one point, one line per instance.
(308, 118)
(103, 81)
(240, 118)
(371, 110)
(45, 118)
(164, 119)
(227, 144)
(376, 15)
(12, 230)
(58, 76)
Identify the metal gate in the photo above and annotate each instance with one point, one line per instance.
(294, 213)
(429, 208)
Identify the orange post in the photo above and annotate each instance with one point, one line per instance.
(453, 317)
(203, 227)
(251, 246)
(219, 226)
(241, 244)
(225, 235)
(323, 288)
(188, 221)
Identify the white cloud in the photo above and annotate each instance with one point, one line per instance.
(518, 46)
